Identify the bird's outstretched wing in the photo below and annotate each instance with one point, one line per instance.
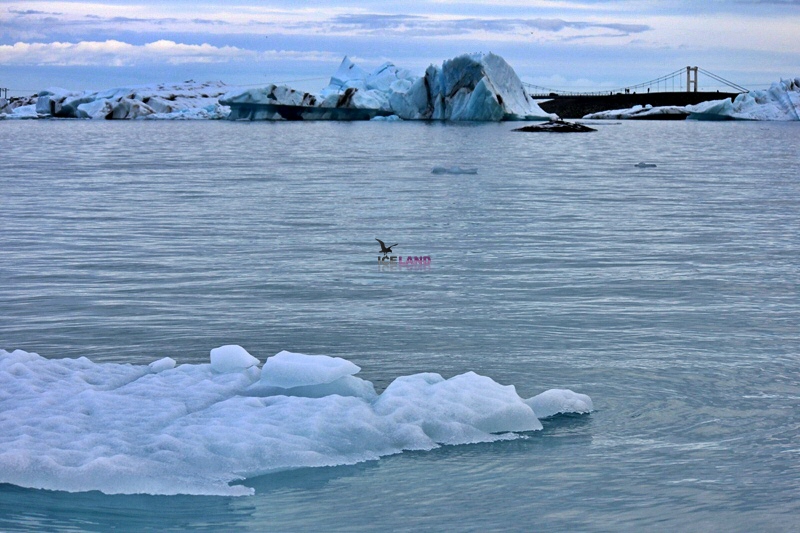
(385, 249)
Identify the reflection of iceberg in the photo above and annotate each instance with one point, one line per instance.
(74, 425)
(480, 87)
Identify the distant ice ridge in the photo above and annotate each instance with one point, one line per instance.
(475, 87)
(188, 100)
(638, 111)
(162, 428)
(781, 102)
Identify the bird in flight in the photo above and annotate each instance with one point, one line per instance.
(385, 250)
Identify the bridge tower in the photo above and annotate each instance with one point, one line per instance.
(691, 79)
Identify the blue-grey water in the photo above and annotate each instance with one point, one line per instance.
(668, 294)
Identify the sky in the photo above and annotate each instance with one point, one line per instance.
(577, 45)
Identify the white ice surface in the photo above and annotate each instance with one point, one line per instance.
(231, 358)
(25, 111)
(287, 370)
(559, 401)
(74, 425)
(167, 363)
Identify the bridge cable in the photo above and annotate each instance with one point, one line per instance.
(723, 80)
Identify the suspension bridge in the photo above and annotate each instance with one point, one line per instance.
(678, 88)
(682, 80)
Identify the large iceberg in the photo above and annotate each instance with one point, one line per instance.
(781, 102)
(475, 87)
(162, 428)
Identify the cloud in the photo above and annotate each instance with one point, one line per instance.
(107, 22)
(377, 21)
(120, 54)
(487, 28)
(84, 24)
(27, 12)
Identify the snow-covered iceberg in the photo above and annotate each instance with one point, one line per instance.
(641, 112)
(162, 428)
(781, 102)
(18, 107)
(475, 87)
(188, 100)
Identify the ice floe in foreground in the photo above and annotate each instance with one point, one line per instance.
(781, 102)
(162, 428)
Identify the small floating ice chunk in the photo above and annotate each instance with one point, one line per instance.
(288, 370)
(642, 164)
(231, 358)
(389, 118)
(166, 363)
(557, 401)
(453, 170)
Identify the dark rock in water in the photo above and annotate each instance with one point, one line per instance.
(453, 170)
(557, 126)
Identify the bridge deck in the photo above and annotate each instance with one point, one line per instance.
(579, 106)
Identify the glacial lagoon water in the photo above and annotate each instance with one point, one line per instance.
(667, 294)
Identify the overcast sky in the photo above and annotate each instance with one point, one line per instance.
(560, 44)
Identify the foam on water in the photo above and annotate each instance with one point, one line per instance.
(74, 425)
